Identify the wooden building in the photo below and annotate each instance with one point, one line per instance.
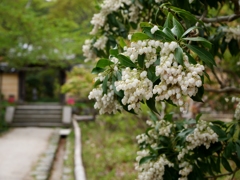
(13, 85)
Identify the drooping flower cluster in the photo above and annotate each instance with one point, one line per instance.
(136, 87)
(232, 33)
(88, 51)
(100, 44)
(147, 47)
(202, 135)
(106, 102)
(152, 170)
(108, 6)
(177, 81)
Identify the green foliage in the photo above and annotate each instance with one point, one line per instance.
(79, 83)
(109, 145)
(42, 32)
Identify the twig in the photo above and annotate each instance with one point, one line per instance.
(218, 80)
(224, 90)
(229, 18)
(226, 174)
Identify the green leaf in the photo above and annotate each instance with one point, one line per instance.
(102, 63)
(169, 101)
(151, 104)
(178, 53)
(232, 130)
(198, 116)
(98, 82)
(189, 30)
(97, 70)
(114, 52)
(177, 29)
(139, 36)
(202, 40)
(221, 134)
(146, 159)
(125, 61)
(229, 149)
(238, 149)
(121, 42)
(191, 60)
(145, 24)
(169, 34)
(141, 60)
(168, 22)
(118, 93)
(151, 74)
(168, 117)
(226, 164)
(204, 55)
(104, 85)
(199, 95)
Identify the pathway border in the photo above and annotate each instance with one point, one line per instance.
(79, 170)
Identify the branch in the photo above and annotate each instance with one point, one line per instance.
(220, 175)
(224, 90)
(220, 18)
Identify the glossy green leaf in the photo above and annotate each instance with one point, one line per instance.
(104, 85)
(98, 82)
(168, 117)
(204, 55)
(221, 134)
(191, 60)
(122, 42)
(229, 149)
(169, 34)
(151, 104)
(125, 61)
(118, 93)
(226, 164)
(114, 52)
(177, 29)
(199, 95)
(178, 53)
(139, 36)
(141, 60)
(202, 40)
(168, 23)
(102, 63)
(97, 70)
(145, 24)
(238, 149)
(189, 30)
(146, 159)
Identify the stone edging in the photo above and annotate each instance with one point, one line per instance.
(43, 168)
(78, 169)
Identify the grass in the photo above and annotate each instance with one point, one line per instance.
(109, 146)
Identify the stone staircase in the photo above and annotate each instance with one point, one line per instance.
(39, 115)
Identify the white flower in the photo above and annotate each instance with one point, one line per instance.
(154, 29)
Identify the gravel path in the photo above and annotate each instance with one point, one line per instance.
(20, 149)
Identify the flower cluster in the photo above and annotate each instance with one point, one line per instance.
(186, 169)
(88, 51)
(136, 87)
(108, 6)
(202, 135)
(177, 81)
(106, 103)
(100, 44)
(232, 33)
(147, 47)
(152, 170)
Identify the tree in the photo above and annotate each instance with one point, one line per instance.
(43, 32)
(169, 51)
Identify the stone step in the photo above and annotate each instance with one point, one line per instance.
(37, 124)
(38, 107)
(37, 120)
(37, 116)
(38, 111)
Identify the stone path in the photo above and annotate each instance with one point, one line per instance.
(20, 149)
